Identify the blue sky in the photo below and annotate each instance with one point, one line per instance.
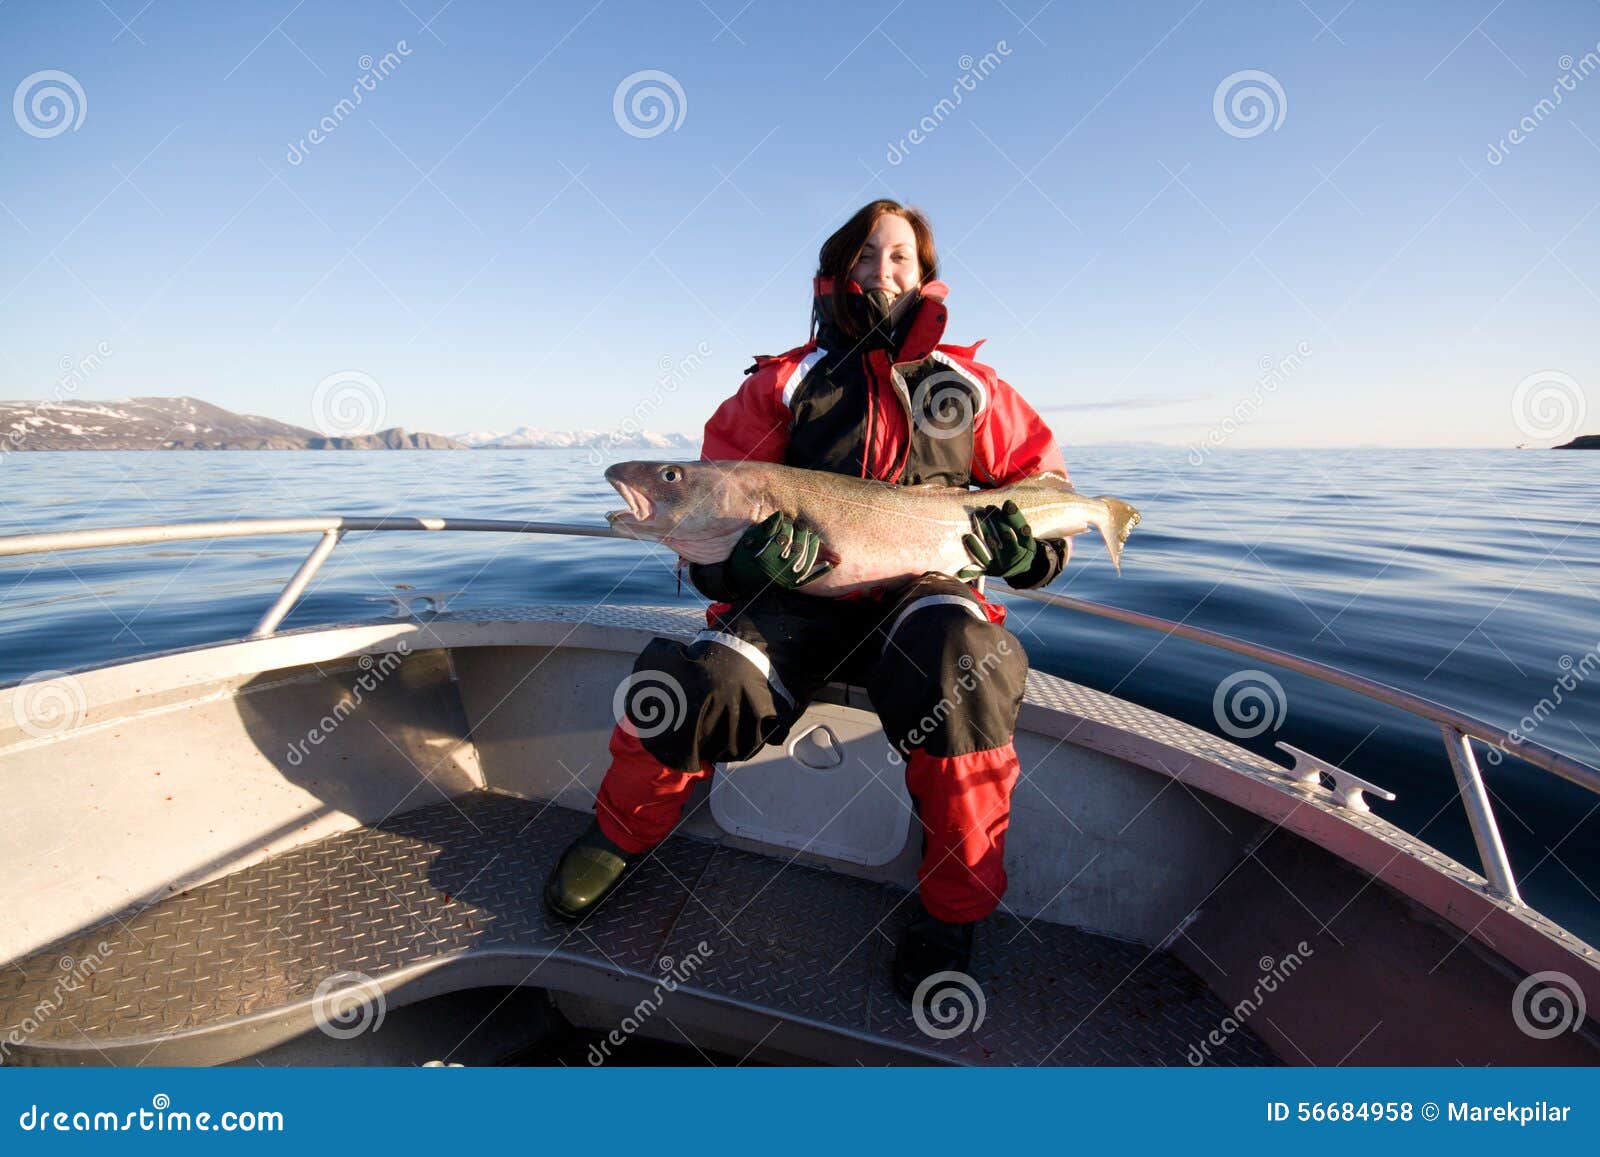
(483, 239)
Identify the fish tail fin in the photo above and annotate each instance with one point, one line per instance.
(1120, 520)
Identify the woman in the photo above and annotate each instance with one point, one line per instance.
(873, 395)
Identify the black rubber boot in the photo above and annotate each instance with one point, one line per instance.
(588, 871)
(930, 945)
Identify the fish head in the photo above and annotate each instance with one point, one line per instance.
(699, 509)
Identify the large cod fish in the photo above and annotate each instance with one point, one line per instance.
(877, 534)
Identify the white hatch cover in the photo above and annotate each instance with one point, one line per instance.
(816, 792)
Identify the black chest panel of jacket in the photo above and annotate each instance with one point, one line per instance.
(835, 420)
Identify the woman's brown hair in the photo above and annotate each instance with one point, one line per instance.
(840, 252)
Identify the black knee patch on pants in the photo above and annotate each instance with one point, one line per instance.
(701, 702)
(949, 683)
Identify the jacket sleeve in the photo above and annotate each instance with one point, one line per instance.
(1012, 443)
(751, 426)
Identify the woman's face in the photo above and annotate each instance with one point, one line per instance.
(888, 260)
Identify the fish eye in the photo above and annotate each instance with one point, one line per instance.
(671, 474)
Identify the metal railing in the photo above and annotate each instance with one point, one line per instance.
(332, 530)
(1456, 728)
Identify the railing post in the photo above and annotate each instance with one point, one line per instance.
(1491, 850)
(297, 585)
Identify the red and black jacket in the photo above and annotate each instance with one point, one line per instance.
(895, 405)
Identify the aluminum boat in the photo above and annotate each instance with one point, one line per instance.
(326, 845)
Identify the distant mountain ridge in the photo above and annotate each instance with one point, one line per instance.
(178, 424)
(185, 423)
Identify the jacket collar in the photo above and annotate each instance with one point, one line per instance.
(911, 339)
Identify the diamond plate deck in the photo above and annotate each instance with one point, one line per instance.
(435, 891)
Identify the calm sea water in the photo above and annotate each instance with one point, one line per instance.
(1469, 577)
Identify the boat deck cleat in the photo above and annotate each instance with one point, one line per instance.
(1309, 769)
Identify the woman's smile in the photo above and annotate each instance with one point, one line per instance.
(888, 259)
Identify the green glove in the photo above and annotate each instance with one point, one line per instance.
(1007, 546)
(776, 552)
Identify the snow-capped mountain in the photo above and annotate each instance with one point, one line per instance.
(536, 438)
(191, 424)
(177, 424)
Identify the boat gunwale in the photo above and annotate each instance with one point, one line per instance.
(1529, 751)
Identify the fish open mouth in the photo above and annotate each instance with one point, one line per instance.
(640, 508)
